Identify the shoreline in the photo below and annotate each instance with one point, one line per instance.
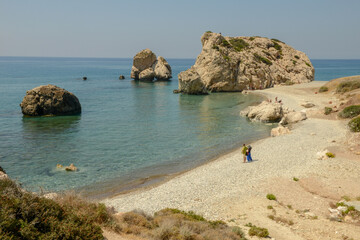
(229, 190)
(109, 189)
(144, 184)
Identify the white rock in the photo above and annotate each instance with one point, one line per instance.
(293, 117)
(281, 130)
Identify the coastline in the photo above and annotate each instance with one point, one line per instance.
(229, 190)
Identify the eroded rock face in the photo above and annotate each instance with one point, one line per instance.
(190, 82)
(50, 100)
(147, 67)
(162, 69)
(239, 63)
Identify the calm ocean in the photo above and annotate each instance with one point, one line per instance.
(128, 131)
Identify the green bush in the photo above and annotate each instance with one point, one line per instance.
(238, 44)
(225, 43)
(208, 31)
(258, 231)
(354, 124)
(348, 86)
(227, 58)
(251, 38)
(259, 58)
(295, 179)
(350, 112)
(294, 62)
(323, 89)
(330, 155)
(297, 57)
(276, 45)
(307, 64)
(271, 196)
(327, 110)
(24, 215)
(215, 47)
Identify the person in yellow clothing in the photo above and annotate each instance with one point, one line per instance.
(244, 151)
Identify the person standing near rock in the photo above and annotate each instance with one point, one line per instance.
(244, 152)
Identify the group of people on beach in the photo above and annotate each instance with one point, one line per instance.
(246, 151)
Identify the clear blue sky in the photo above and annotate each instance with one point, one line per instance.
(115, 28)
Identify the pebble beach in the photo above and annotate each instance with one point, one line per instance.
(218, 189)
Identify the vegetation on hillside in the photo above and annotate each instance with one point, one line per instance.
(347, 86)
(354, 124)
(25, 215)
(350, 111)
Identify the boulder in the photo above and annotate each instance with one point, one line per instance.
(144, 59)
(190, 82)
(162, 69)
(264, 112)
(147, 75)
(239, 63)
(293, 117)
(147, 67)
(50, 100)
(279, 131)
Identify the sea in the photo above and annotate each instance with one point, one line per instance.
(130, 134)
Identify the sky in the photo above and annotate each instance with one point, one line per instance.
(323, 29)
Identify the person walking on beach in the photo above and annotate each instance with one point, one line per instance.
(244, 152)
(248, 155)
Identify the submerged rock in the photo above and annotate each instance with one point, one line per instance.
(241, 63)
(71, 168)
(147, 67)
(49, 100)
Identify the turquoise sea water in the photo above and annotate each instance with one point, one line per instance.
(127, 131)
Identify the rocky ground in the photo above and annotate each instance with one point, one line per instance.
(286, 166)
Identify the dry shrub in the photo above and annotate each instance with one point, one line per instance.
(176, 224)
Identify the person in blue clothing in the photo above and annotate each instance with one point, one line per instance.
(248, 154)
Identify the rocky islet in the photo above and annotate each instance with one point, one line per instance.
(228, 64)
(147, 67)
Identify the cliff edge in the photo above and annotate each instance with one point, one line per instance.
(228, 64)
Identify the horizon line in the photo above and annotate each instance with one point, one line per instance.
(166, 58)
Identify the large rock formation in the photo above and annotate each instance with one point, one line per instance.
(238, 63)
(147, 67)
(50, 100)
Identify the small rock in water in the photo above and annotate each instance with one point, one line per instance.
(121, 77)
(59, 166)
(71, 168)
(84, 78)
(176, 91)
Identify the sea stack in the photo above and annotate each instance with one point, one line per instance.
(229, 64)
(49, 100)
(147, 67)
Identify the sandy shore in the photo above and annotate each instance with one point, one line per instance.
(233, 191)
